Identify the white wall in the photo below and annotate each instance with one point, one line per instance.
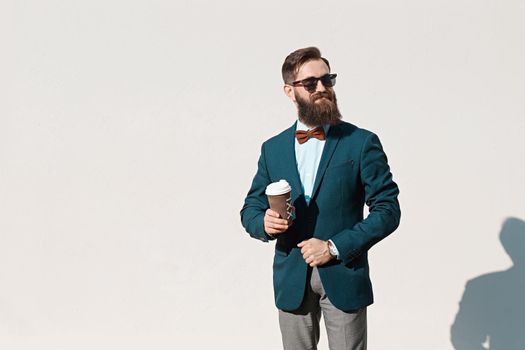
(120, 191)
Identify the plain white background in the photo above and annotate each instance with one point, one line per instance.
(129, 136)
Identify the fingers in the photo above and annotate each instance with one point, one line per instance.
(272, 213)
(312, 260)
(276, 228)
(273, 223)
(306, 251)
(312, 251)
(305, 247)
(309, 259)
(276, 221)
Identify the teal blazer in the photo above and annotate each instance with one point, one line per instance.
(353, 171)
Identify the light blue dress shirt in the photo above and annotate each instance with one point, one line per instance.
(308, 156)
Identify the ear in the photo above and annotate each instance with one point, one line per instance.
(288, 91)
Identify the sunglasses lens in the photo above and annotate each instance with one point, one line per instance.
(310, 85)
(328, 80)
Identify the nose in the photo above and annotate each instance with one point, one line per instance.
(320, 86)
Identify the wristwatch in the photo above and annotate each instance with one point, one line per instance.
(333, 251)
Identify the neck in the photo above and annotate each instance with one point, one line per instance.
(308, 125)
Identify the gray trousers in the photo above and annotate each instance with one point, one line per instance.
(300, 328)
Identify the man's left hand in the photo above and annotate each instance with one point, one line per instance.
(315, 252)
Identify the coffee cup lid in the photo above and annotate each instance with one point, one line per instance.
(277, 188)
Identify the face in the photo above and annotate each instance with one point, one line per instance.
(319, 106)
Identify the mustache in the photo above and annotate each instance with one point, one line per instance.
(320, 94)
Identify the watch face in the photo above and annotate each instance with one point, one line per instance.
(331, 247)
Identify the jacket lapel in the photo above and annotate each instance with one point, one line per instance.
(331, 142)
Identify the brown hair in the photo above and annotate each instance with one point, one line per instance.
(296, 59)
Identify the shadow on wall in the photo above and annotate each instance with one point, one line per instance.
(492, 311)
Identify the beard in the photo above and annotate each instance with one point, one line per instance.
(321, 108)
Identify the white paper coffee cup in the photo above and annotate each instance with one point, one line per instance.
(279, 197)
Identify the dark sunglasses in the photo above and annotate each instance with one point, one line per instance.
(310, 84)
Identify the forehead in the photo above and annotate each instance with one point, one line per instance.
(313, 68)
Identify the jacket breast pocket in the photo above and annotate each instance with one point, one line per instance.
(345, 175)
(341, 168)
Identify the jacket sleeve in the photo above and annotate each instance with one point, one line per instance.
(380, 196)
(256, 202)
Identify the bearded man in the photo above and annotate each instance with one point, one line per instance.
(334, 167)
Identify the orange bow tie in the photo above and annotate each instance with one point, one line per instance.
(303, 135)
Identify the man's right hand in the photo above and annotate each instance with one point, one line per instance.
(273, 223)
